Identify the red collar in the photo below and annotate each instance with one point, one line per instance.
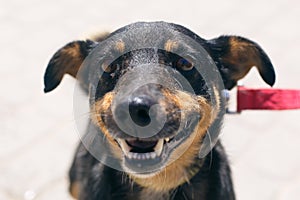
(267, 99)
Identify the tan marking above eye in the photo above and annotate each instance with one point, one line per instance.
(120, 46)
(171, 45)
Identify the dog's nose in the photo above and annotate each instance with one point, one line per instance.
(139, 108)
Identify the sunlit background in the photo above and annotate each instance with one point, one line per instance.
(38, 135)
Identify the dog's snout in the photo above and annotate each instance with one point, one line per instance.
(146, 112)
(139, 108)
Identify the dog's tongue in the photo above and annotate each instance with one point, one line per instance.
(142, 144)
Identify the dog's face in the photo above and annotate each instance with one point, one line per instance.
(153, 125)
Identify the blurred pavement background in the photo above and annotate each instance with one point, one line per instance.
(38, 134)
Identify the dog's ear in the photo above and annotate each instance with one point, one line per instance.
(235, 56)
(66, 60)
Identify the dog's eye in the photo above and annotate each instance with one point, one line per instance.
(108, 67)
(184, 64)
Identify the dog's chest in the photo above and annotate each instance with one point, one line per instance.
(134, 192)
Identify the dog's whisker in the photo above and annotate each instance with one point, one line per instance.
(165, 172)
(180, 111)
(88, 115)
(211, 147)
(173, 193)
(83, 116)
(131, 184)
(184, 195)
(104, 138)
(124, 178)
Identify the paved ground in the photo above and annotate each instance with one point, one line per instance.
(38, 134)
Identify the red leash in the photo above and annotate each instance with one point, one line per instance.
(267, 99)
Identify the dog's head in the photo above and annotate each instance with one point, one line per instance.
(148, 118)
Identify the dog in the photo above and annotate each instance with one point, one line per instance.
(164, 165)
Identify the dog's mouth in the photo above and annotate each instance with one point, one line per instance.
(142, 149)
(146, 155)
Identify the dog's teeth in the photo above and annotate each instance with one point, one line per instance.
(129, 155)
(147, 155)
(152, 155)
(159, 147)
(134, 155)
(124, 146)
(143, 156)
